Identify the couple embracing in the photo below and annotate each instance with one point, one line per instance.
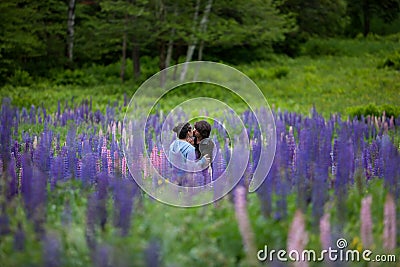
(191, 153)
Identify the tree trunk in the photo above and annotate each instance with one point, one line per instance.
(192, 45)
(170, 49)
(136, 59)
(203, 29)
(367, 17)
(123, 60)
(162, 63)
(70, 30)
(170, 44)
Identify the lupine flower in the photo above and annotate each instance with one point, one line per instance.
(102, 195)
(51, 250)
(12, 185)
(5, 131)
(123, 191)
(389, 224)
(19, 238)
(101, 257)
(91, 219)
(243, 220)
(366, 222)
(325, 231)
(152, 254)
(298, 237)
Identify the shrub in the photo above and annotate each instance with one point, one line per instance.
(392, 61)
(74, 77)
(20, 78)
(371, 109)
(267, 74)
(318, 47)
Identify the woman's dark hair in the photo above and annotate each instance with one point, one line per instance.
(182, 130)
(204, 128)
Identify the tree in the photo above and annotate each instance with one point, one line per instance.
(32, 35)
(122, 15)
(317, 17)
(70, 30)
(362, 12)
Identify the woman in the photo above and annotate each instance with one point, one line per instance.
(182, 154)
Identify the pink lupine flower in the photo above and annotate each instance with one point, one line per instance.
(123, 167)
(366, 222)
(389, 224)
(116, 161)
(244, 222)
(109, 162)
(297, 238)
(114, 129)
(325, 231)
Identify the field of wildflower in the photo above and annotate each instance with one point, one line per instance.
(67, 197)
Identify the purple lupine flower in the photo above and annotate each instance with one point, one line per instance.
(26, 183)
(78, 170)
(104, 158)
(320, 185)
(71, 144)
(102, 196)
(4, 220)
(5, 132)
(32, 115)
(304, 168)
(368, 170)
(38, 202)
(66, 166)
(345, 163)
(91, 219)
(52, 249)
(390, 158)
(19, 238)
(110, 170)
(264, 192)
(56, 171)
(101, 256)
(66, 216)
(12, 187)
(153, 253)
(124, 192)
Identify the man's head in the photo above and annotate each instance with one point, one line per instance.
(202, 129)
(182, 130)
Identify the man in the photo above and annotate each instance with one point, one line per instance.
(203, 146)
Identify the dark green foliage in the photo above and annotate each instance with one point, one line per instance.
(74, 77)
(371, 109)
(392, 61)
(20, 78)
(316, 48)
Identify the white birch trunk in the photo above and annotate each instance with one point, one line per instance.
(123, 60)
(70, 30)
(170, 45)
(192, 45)
(203, 29)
